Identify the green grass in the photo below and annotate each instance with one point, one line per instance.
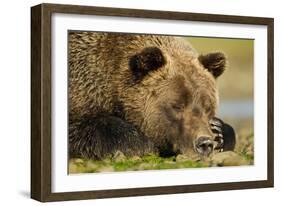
(148, 162)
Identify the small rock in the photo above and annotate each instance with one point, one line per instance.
(119, 156)
(72, 169)
(227, 159)
(187, 157)
(145, 166)
(91, 165)
(182, 158)
(79, 161)
(251, 153)
(107, 160)
(106, 169)
(136, 158)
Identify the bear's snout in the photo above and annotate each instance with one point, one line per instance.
(204, 146)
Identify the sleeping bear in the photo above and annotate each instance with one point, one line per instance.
(142, 94)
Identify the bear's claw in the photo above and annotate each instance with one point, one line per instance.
(224, 135)
(216, 127)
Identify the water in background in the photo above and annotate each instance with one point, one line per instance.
(239, 114)
(238, 109)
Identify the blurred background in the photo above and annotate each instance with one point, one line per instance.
(235, 86)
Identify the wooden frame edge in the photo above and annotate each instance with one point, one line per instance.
(101, 194)
(36, 58)
(40, 102)
(158, 14)
(270, 100)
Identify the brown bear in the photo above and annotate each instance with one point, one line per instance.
(140, 94)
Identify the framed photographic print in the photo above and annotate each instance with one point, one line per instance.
(135, 102)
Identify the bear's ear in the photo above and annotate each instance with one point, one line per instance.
(149, 59)
(214, 63)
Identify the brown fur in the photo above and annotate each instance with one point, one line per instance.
(155, 83)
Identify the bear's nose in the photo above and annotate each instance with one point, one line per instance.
(204, 145)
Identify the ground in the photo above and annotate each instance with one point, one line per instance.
(243, 155)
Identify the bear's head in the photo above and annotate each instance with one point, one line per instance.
(174, 98)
